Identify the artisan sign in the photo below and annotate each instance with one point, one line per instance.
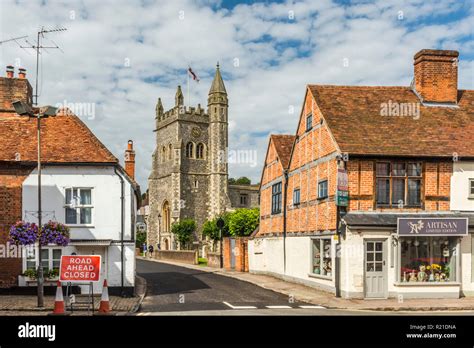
(432, 226)
(80, 268)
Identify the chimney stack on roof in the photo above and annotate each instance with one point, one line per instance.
(436, 76)
(130, 160)
(10, 71)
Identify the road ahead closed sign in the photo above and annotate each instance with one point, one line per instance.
(80, 268)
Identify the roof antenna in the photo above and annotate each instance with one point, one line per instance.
(38, 47)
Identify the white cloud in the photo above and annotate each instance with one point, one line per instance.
(158, 43)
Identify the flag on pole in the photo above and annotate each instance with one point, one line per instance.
(193, 74)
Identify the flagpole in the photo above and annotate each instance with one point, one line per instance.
(189, 102)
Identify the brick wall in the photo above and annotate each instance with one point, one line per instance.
(184, 256)
(436, 75)
(11, 180)
(12, 89)
(240, 253)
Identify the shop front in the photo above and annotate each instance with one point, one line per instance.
(407, 256)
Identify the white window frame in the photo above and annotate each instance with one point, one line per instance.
(78, 207)
(50, 256)
(470, 188)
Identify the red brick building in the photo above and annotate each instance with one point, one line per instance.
(396, 149)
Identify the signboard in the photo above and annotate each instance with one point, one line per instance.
(80, 268)
(342, 191)
(432, 226)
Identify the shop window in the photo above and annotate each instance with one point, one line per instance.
(78, 206)
(398, 184)
(322, 260)
(276, 198)
(296, 196)
(323, 189)
(428, 259)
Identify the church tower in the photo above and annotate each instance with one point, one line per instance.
(218, 104)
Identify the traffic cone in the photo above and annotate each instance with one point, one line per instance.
(59, 301)
(104, 300)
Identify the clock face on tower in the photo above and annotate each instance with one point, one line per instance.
(196, 132)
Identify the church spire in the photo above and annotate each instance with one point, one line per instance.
(159, 109)
(179, 99)
(217, 84)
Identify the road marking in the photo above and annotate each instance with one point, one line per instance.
(279, 307)
(239, 307)
(312, 307)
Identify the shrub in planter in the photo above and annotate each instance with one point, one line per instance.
(31, 273)
(23, 233)
(54, 233)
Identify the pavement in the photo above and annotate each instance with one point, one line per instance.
(299, 293)
(27, 305)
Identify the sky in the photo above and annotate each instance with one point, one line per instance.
(118, 57)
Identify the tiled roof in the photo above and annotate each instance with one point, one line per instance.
(64, 139)
(283, 145)
(353, 115)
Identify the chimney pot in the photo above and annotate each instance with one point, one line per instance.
(22, 73)
(10, 71)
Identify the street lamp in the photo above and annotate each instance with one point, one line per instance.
(24, 109)
(159, 231)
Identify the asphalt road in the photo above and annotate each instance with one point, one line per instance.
(172, 288)
(175, 290)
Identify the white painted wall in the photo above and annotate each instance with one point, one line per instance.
(106, 212)
(266, 256)
(462, 172)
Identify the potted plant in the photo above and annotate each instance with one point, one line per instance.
(31, 273)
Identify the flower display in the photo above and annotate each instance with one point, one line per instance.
(23, 233)
(54, 233)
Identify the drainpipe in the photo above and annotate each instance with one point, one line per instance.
(284, 219)
(122, 229)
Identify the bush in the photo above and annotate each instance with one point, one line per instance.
(140, 239)
(243, 222)
(184, 230)
(210, 229)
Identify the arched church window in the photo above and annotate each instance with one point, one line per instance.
(163, 154)
(200, 151)
(170, 153)
(189, 150)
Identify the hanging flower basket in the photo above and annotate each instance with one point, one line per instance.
(23, 233)
(54, 233)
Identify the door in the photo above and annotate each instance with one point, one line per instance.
(232, 253)
(375, 268)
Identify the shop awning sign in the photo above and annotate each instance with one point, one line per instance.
(412, 227)
(80, 268)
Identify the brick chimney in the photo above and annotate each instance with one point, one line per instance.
(12, 88)
(436, 76)
(130, 160)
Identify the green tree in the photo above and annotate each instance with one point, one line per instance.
(184, 231)
(140, 239)
(231, 181)
(210, 229)
(243, 180)
(243, 222)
